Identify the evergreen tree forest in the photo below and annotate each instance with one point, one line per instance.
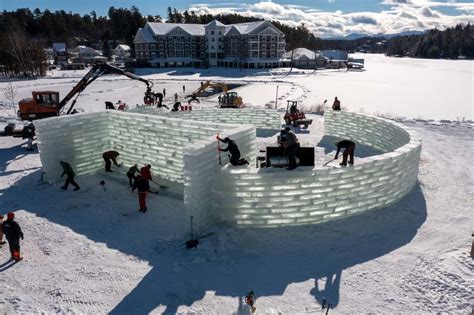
(24, 34)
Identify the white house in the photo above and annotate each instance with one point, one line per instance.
(305, 58)
(122, 52)
(60, 53)
(84, 54)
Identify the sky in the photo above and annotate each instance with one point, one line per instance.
(324, 18)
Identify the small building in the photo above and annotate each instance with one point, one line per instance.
(335, 55)
(87, 55)
(304, 59)
(60, 53)
(122, 52)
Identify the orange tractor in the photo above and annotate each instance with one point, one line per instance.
(47, 104)
(294, 116)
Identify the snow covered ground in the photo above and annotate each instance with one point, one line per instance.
(92, 252)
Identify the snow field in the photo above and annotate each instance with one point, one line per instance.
(270, 198)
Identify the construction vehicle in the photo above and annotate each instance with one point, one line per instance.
(47, 104)
(294, 116)
(226, 100)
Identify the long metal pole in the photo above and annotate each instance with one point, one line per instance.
(276, 99)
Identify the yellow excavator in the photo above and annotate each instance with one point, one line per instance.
(226, 100)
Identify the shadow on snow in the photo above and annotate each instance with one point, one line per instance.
(232, 261)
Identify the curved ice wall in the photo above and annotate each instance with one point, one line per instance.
(275, 197)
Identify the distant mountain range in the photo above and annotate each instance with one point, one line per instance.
(354, 36)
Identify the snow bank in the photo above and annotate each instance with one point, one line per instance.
(274, 197)
(262, 119)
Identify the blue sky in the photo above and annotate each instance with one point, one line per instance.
(323, 17)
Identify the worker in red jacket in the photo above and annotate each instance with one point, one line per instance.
(13, 233)
(145, 172)
(142, 185)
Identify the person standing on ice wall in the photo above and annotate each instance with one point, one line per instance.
(234, 151)
(68, 171)
(13, 233)
(131, 174)
(336, 105)
(349, 149)
(292, 145)
(143, 187)
(109, 157)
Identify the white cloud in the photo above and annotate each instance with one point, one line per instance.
(399, 16)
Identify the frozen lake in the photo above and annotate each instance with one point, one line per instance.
(394, 87)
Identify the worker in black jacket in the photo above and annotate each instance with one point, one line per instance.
(233, 149)
(131, 174)
(68, 171)
(349, 149)
(143, 187)
(13, 233)
(109, 157)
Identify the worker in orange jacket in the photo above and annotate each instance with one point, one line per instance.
(145, 172)
(142, 185)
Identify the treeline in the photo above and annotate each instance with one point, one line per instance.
(450, 43)
(23, 34)
(29, 32)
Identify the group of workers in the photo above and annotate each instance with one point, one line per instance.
(138, 179)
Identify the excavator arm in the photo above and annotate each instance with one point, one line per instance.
(208, 84)
(92, 75)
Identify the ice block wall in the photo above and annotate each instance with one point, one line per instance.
(157, 140)
(201, 168)
(262, 119)
(143, 139)
(77, 139)
(276, 197)
(379, 133)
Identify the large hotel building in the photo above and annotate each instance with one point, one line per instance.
(243, 45)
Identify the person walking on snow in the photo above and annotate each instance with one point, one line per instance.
(292, 145)
(2, 242)
(184, 89)
(337, 104)
(13, 233)
(109, 157)
(143, 187)
(68, 171)
(164, 92)
(28, 132)
(349, 149)
(131, 174)
(234, 151)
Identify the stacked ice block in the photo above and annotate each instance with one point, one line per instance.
(271, 197)
(202, 169)
(77, 139)
(262, 119)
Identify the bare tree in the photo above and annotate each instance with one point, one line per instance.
(10, 94)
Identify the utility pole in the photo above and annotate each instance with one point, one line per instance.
(276, 99)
